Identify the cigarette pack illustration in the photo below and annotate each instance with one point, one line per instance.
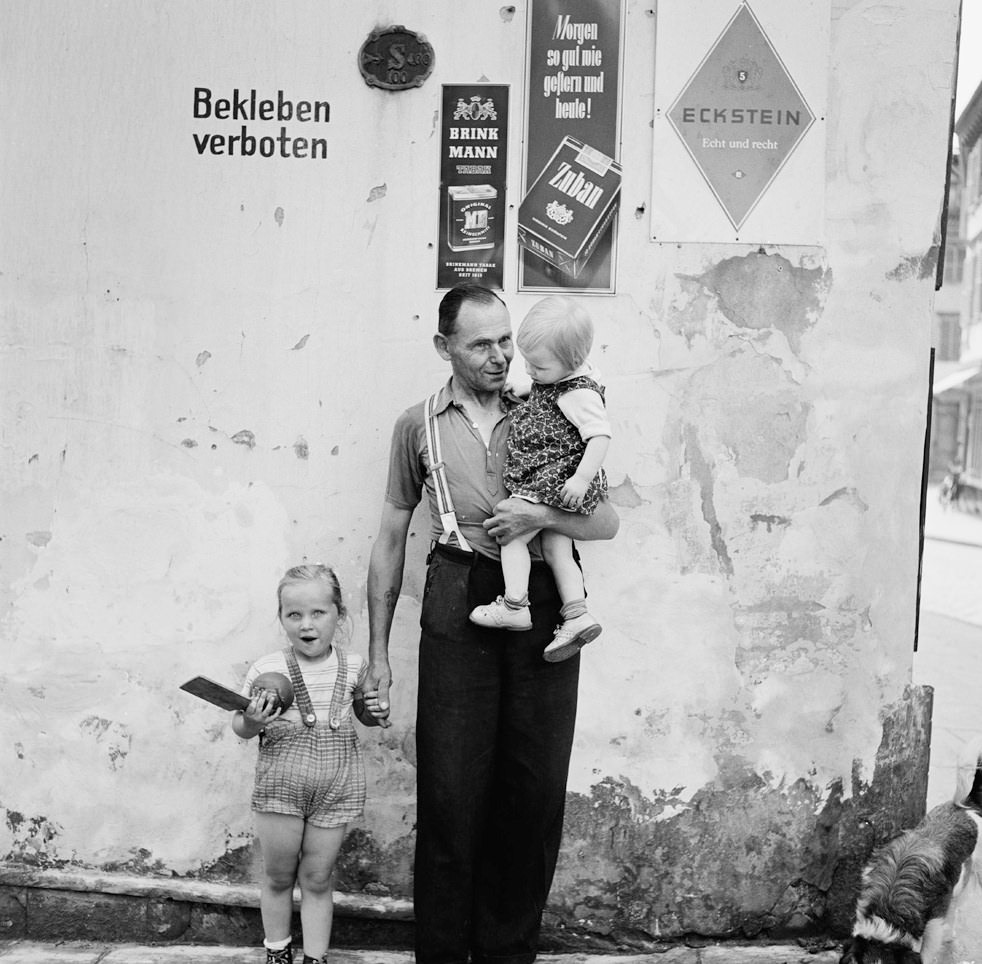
(570, 205)
(470, 217)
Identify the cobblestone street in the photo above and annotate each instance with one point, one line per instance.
(949, 658)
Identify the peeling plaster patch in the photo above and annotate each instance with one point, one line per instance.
(39, 539)
(689, 320)
(746, 411)
(32, 836)
(920, 267)
(703, 474)
(507, 14)
(785, 603)
(848, 495)
(278, 216)
(19, 750)
(300, 448)
(301, 344)
(791, 646)
(202, 357)
(639, 212)
(139, 863)
(793, 656)
(376, 193)
(682, 520)
(762, 291)
(237, 864)
(335, 450)
(652, 849)
(116, 736)
(189, 443)
(770, 521)
(359, 862)
(625, 495)
(245, 437)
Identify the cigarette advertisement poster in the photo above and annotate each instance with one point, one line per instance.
(739, 126)
(567, 219)
(473, 160)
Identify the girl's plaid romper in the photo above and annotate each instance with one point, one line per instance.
(312, 770)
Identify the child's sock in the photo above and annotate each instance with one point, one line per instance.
(520, 603)
(572, 609)
(279, 952)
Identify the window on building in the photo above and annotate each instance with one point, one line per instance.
(969, 164)
(974, 168)
(954, 258)
(949, 344)
(974, 460)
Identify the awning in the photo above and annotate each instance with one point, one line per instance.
(957, 379)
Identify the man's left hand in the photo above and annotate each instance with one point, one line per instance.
(513, 518)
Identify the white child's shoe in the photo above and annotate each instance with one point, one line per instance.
(571, 637)
(497, 615)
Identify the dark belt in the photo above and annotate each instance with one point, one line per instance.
(475, 559)
(472, 559)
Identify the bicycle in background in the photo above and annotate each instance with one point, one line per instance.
(950, 486)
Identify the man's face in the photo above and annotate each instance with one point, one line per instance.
(480, 349)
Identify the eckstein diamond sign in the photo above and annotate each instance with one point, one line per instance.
(740, 117)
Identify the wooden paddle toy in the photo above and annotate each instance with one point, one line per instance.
(227, 699)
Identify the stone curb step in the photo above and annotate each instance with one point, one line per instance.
(37, 952)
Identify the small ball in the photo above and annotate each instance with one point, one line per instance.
(275, 683)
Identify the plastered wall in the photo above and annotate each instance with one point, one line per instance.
(202, 357)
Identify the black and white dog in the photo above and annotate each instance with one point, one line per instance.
(911, 885)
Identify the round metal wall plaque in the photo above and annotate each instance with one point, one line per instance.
(395, 58)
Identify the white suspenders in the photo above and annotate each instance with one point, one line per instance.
(444, 502)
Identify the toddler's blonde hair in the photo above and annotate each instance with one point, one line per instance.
(561, 325)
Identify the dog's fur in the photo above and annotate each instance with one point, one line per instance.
(911, 885)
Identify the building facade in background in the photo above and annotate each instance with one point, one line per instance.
(946, 334)
(956, 435)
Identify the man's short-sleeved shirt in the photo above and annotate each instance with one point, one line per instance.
(474, 470)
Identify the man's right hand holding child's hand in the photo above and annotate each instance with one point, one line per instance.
(375, 693)
(376, 708)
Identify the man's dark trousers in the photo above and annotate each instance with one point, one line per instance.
(494, 731)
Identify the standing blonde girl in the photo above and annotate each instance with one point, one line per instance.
(556, 447)
(310, 778)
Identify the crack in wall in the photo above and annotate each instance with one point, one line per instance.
(702, 472)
